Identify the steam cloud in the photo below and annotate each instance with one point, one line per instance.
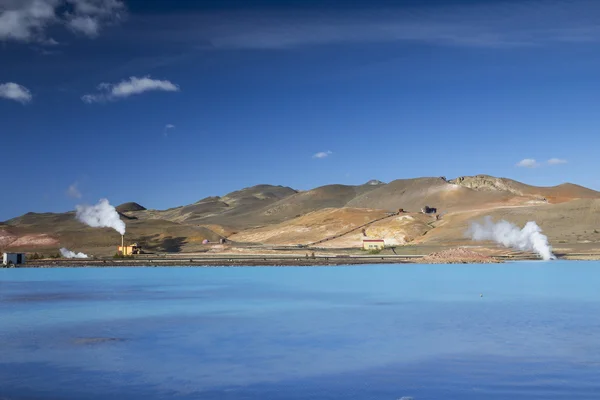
(66, 253)
(102, 215)
(530, 238)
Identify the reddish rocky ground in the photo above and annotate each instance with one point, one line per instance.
(457, 256)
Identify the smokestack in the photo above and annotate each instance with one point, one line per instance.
(123, 244)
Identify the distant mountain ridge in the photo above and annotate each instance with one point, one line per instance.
(263, 206)
(490, 183)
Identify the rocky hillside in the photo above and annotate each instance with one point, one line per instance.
(48, 232)
(273, 215)
(129, 207)
(259, 205)
(413, 194)
(554, 194)
(231, 209)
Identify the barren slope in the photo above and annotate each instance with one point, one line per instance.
(279, 215)
(565, 223)
(298, 204)
(413, 194)
(228, 210)
(14, 238)
(554, 194)
(129, 207)
(331, 222)
(48, 232)
(311, 227)
(397, 230)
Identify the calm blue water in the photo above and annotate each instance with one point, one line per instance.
(367, 332)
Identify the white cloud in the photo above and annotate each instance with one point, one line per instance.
(73, 191)
(98, 7)
(527, 163)
(323, 154)
(502, 24)
(24, 20)
(87, 25)
(28, 20)
(126, 88)
(16, 92)
(531, 163)
(92, 98)
(556, 161)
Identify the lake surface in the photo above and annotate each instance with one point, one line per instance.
(513, 331)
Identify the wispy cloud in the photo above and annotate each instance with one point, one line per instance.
(528, 163)
(556, 161)
(485, 25)
(87, 25)
(29, 20)
(45, 52)
(51, 42)
(73, 191)
(129, 87)
(322, 154)
(531, 163)
(168, 127)
(16, 92)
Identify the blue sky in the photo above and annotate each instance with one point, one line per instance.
(167, 102)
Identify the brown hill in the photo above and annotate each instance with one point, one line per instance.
(129, 207)
(198, 210)
(330, 196)
(226, 210)
(553, 194)
(13, 237)
(395, 230)
(52, 222)
(570, 223)
(48, 232)
(280, 215)
(324, 226)
(310, 227)
(260, 205)
(413, 194)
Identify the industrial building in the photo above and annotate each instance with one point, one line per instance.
(129, 250)
(428, 210)
(373, 244)
(13, 258)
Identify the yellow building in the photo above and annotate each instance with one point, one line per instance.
(129, 250)
(373, 244)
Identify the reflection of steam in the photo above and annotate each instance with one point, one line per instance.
(530, 238)
(66, 253)
(102, 215)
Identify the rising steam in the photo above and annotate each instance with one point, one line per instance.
(66, 253)
(530, 238)
(102, 215)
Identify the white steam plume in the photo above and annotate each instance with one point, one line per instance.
(102, 215)
(530, 238)
(66, 253)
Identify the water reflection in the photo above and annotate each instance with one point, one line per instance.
(260, 333)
